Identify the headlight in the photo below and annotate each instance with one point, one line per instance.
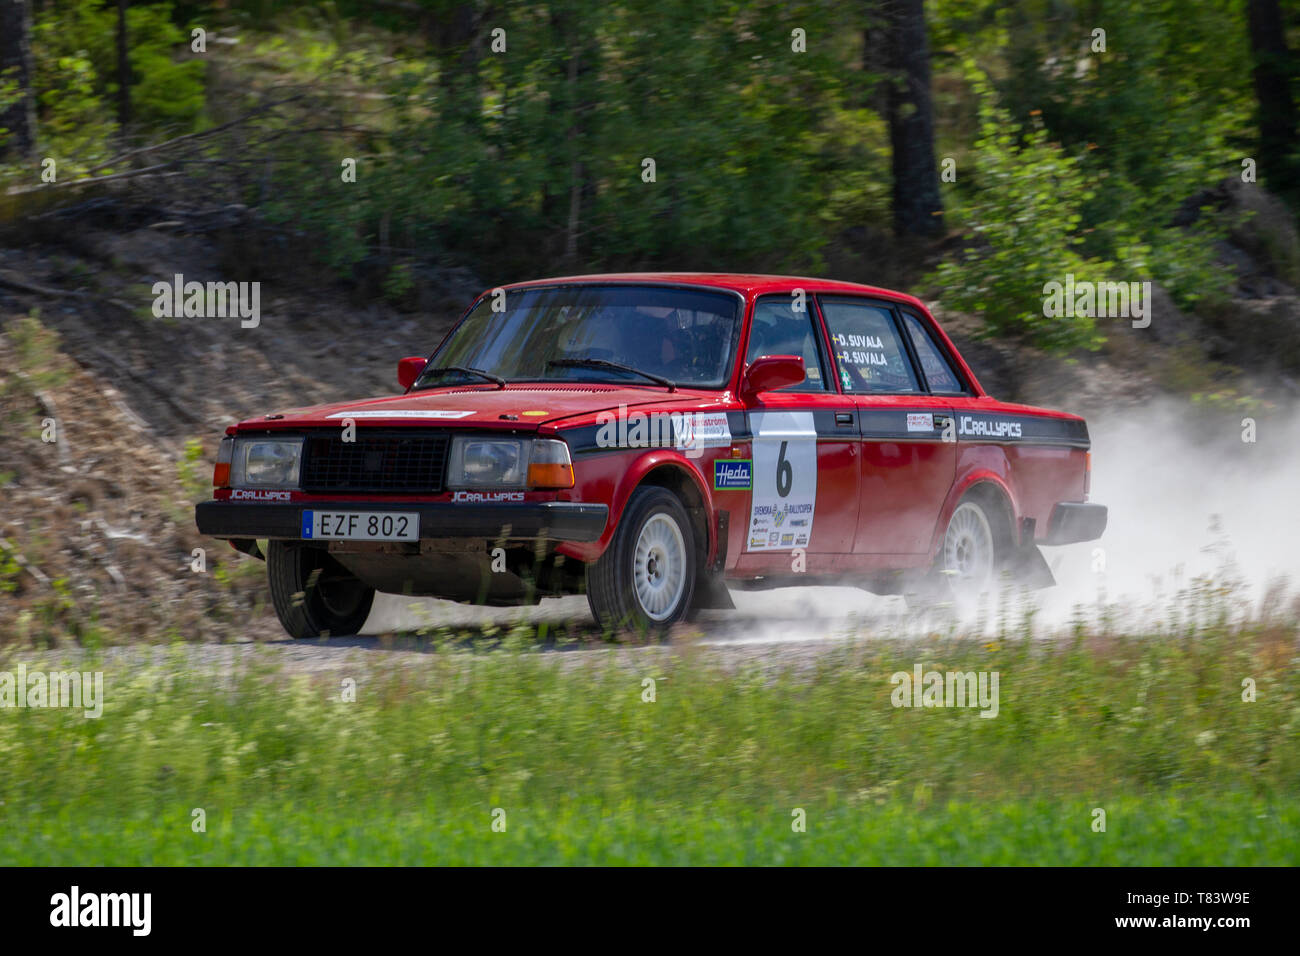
(488, 462)
(266, 463)
(508, 463)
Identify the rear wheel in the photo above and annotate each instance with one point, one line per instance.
(969, 553)
(967, 562)
(646, 577)
(315, 596)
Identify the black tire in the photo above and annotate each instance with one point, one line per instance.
(946, 584)
(612, 578)
(315, 596)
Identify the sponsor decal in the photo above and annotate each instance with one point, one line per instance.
(757, 542)
(404, 413)
(920, 422)
(733, 474)
(987, 428)
(787, 540)
(246, 494)
(535, 413)
(690, 432)
(785, 476)
(703, 430)
(488, 496)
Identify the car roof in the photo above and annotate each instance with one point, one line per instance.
(745, 283)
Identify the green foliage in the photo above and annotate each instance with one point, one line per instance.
(192, 473)
(38, 365)
(1024, 216)
(167, 93)
(10, 569)
(533, 160)
(75, 57)
(525, 157)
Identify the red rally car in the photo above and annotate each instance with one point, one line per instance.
(644, 438)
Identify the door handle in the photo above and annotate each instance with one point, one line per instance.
(942, 421)
(843, 418)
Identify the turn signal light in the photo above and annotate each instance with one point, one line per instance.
(549, 466)
(221, 470)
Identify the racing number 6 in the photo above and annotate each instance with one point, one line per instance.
(784, 473)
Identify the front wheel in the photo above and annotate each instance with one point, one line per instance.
(646, 578)
(315, 596)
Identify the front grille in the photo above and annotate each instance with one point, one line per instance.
(394, 462)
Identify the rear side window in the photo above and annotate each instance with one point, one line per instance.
(939, 373)
(777, 329)
(868, 351)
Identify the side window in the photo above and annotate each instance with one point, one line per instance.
(939, 374)
(870, 355)
(778, 329)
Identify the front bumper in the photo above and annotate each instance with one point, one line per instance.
(547, 520)
(1075, 521)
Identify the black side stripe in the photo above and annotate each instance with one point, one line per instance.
(892, 424)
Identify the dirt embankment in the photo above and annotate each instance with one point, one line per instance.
(97, 535)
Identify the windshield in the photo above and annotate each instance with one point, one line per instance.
(684, 335)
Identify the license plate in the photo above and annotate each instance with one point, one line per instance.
(361, 525)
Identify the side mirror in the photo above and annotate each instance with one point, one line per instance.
(409, 369)
(770, 372)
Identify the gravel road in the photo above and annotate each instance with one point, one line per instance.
(793, 626)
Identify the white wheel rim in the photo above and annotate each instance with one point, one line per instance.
(968, 551)
(659, 567)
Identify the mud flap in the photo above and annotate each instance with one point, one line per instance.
(711, 594)
(1028, 568)
(248, 546)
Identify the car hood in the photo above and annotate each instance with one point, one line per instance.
(524, 405)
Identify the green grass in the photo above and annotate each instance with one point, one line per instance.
(1153, 731)
(1234, 831)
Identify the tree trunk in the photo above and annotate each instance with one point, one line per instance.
(459, 41)
(123, 69)
(1272, 74)
(16, 65)
(571, 105)
(918, 210)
